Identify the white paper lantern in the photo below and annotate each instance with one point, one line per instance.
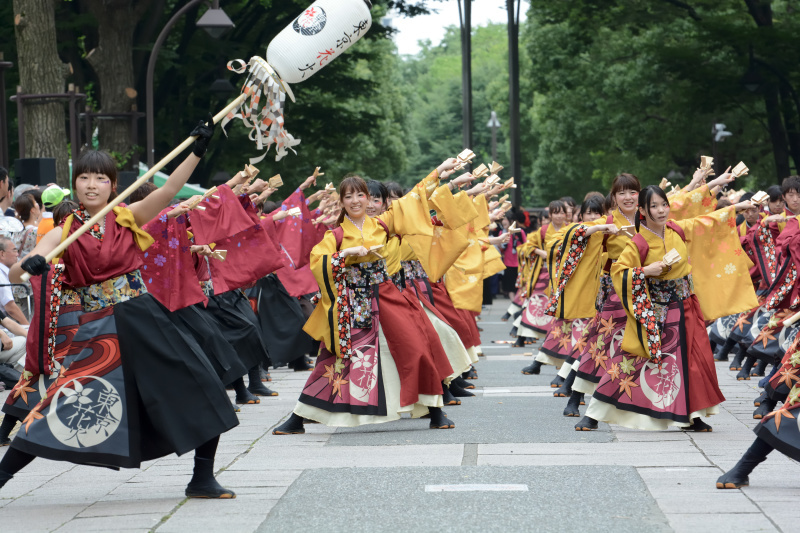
(320, 34)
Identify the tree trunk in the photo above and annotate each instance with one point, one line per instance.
(777, 132)
(112, 61)
(42, 72)
(790, 118)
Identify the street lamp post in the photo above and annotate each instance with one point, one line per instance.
(513, 97)
(214, 21)
(465, 17)
(494, 124)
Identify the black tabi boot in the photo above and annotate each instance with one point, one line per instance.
(533, 368)
(470, 374)
(738, 357)
(203, 483)
(243, 396)
(766, 407)
(586, 424)
(505, 317)
(565, 390)
(447, 396)
(698, 426)
(722, 354)
(463, 383)
(761, 398)
(300, 365)
(747, 366)
(737, 476)
(439, 420)
(513, 332)
(557, 382)
(292, 426)
(520, 342)
(572, 408)
(9, 421)
(761, 369)
(256, 386)
(458, 391)
(264, 374)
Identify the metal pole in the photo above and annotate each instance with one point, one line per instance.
(513, 97)
(151, 67)
(494, 143)
(465, 16)
(20, 123)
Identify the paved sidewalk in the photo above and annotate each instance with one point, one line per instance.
(513, 463)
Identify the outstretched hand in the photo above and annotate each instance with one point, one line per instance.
(203, 131)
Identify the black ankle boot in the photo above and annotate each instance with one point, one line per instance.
(760, 369)
(439, 420)
(738, 357)
(256, 386)
(724, 350)
(458, 391)
(698, 426)
(505, 317)
(470, 374)
(565, 390)
(520, 342)
(761, 398)
(766, 407)
(572, 408)
(533, 368)
(243, 396)
(747, 366)
(463, 383)
(586, 424)
(557, 382)
(203, 484)
(737, 476)
(447, 396)
(293, 426)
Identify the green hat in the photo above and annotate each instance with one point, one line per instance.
(53, 195)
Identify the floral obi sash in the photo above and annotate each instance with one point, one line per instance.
(361, 277)
(112, 291)
(663, 292)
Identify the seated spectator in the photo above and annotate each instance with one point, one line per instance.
(9, 256)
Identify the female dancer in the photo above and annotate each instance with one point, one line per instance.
(135, 388)
(664, 375)
(534, 321)
(568, 327)
(370, 368)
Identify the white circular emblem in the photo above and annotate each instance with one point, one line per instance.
(84, 415)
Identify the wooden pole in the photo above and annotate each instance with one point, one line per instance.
(135, 185)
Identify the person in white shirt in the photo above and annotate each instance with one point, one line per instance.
(9, 256)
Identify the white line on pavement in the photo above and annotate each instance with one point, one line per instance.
(476, 487)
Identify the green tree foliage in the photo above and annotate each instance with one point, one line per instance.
(635, 86)
(434, 92)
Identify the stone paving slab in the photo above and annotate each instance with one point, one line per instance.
(357, 500)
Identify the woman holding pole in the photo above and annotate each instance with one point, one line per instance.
(135, 387)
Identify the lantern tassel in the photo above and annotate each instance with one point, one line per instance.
(266, 123)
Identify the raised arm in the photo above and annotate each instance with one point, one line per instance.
(147, 209)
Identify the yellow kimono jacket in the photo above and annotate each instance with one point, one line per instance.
(689, 204)
(464, 279)
(409, 216)
(711, 254)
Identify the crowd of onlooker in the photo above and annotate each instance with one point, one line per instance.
(25, 219)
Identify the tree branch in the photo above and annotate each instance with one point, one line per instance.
(683, 5)
(761, 13)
